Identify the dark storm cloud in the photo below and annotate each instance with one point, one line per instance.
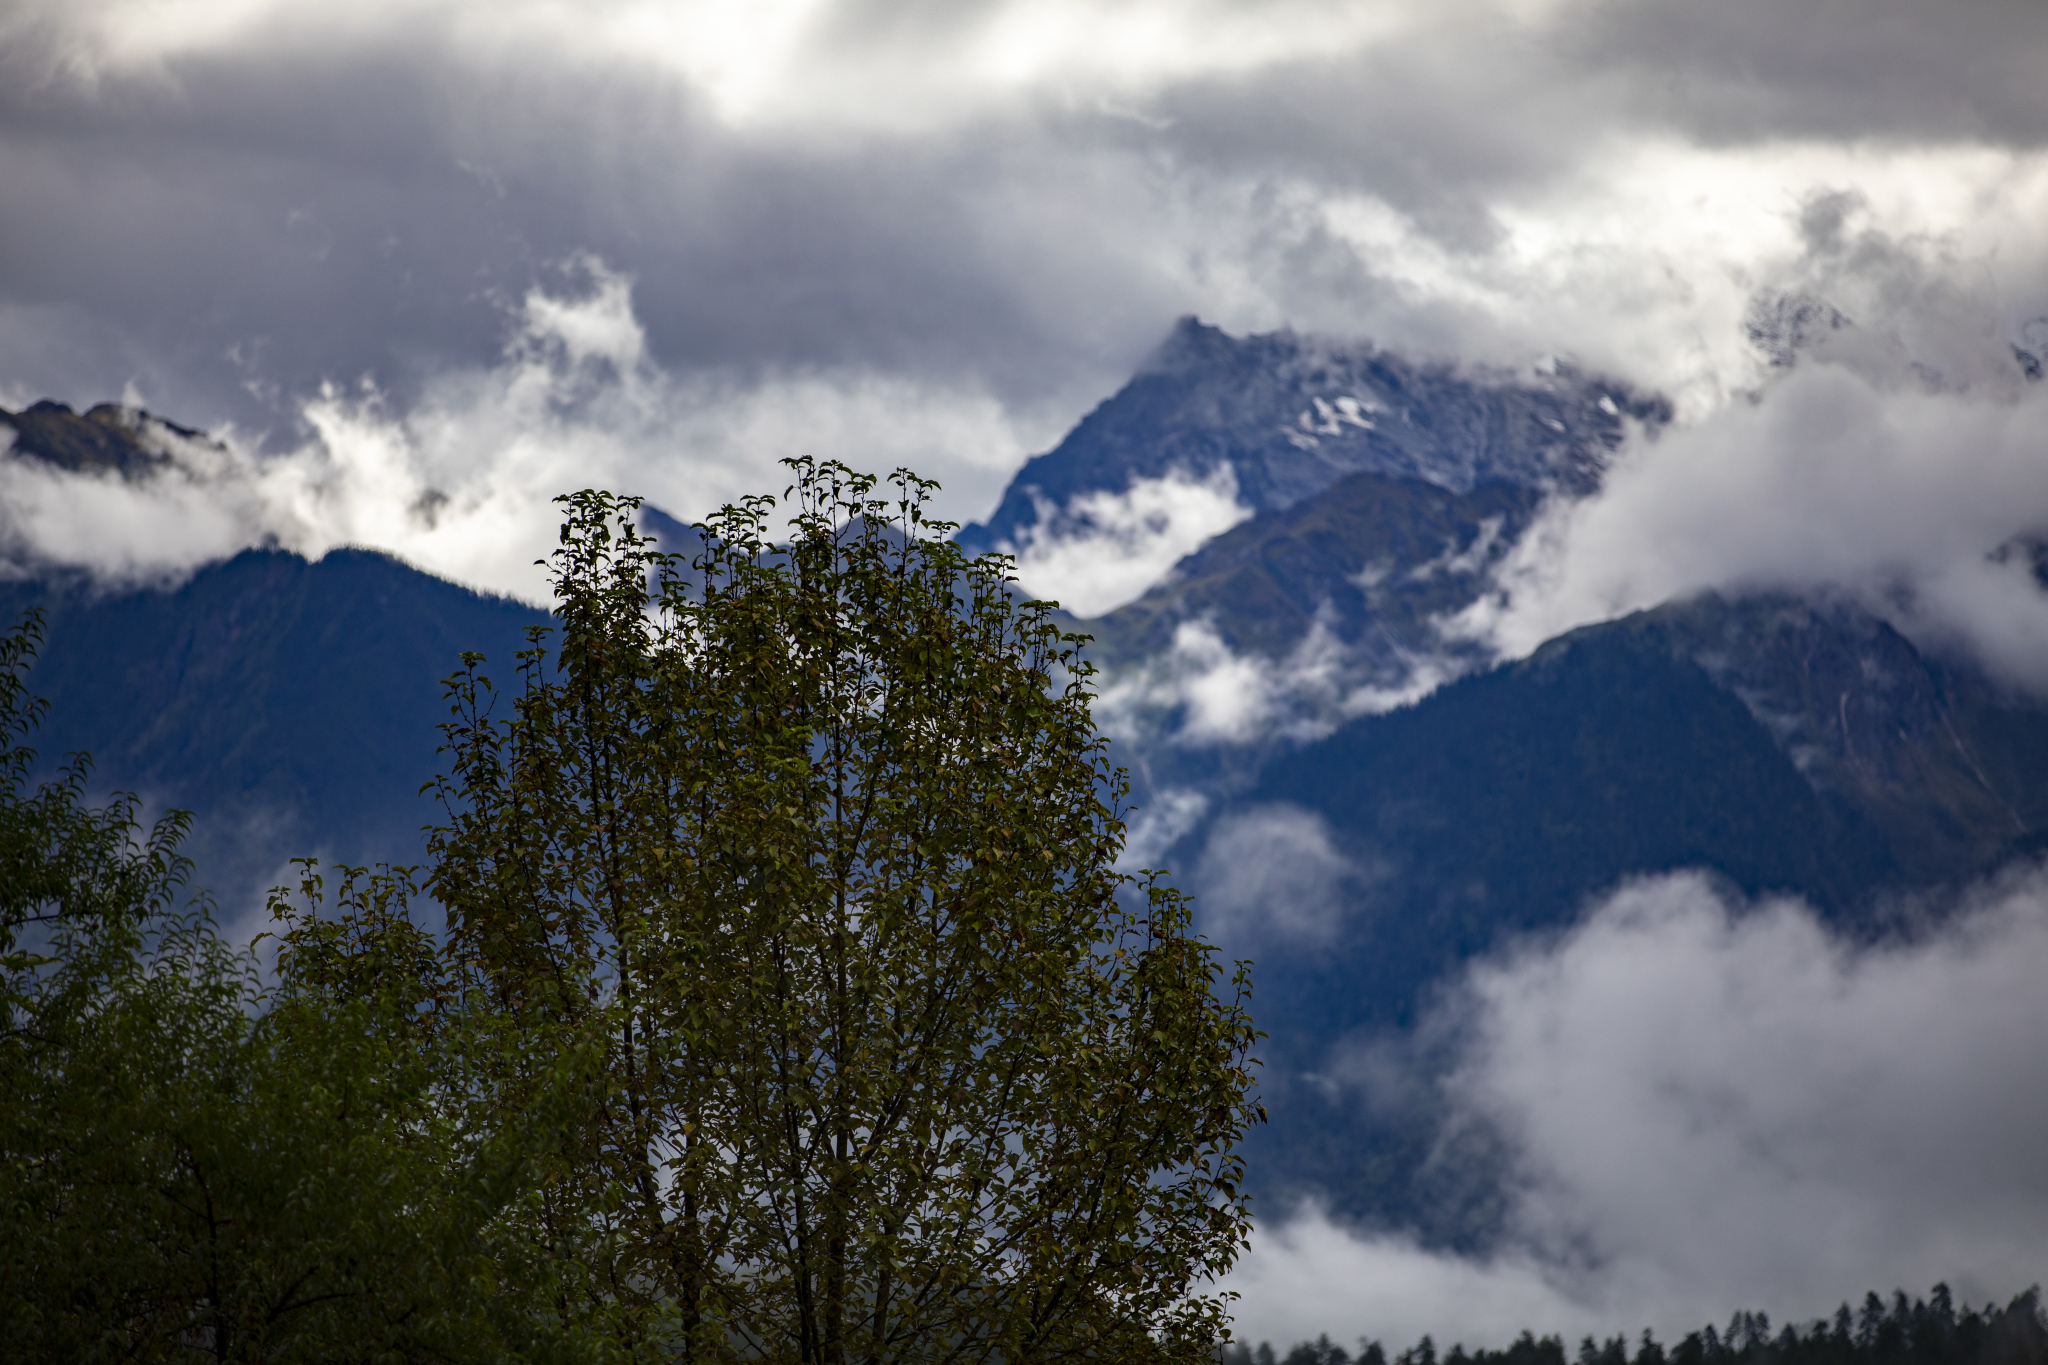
(274, 217)
(1849, 69)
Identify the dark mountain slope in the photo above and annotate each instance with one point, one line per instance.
(107, 438)
(1949, 767)
(1497, 807)
(1499, 804)
(1784, 746)
(1373, 557)
(292, 705)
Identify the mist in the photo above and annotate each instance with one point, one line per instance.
(1708, 1105)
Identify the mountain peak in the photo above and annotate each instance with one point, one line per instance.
(1290, 415)
(107, 438)
(1191, 344)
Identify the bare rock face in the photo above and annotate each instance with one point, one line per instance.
(1291, 415)
(108, 438)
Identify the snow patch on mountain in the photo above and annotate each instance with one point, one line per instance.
(1290, 415)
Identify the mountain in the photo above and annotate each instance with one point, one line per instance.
(1393, 804)
(291, 705)
(1372, 558)
(1784, 745)
(110, 438)
(1290, 415)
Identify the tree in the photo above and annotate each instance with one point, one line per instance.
(192, 1170)
(816, 847)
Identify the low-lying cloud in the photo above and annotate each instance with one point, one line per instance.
(1200, 693)
(1272, 875)
(1709, 1106)
(1899, 451)
(462, 481)
(1104, 549)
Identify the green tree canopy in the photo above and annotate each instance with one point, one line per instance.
(819, 844)
(193, 1170)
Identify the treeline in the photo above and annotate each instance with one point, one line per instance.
(1929, 1331)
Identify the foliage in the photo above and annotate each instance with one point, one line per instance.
(183, 1177)
(818, 852)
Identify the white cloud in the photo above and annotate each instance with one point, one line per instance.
(1894, 460)
(1199, 692)
(462, 483)
(1272, 873)
(974, 223)
(780, 63)
(1159, 825)
(1712, 1106)
(1104, 549)
(1306, 1276)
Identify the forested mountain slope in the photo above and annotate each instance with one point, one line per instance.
(291, 705)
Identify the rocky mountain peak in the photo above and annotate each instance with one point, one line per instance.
(108, 438)
(1290, 414)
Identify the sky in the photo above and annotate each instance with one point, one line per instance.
(464, 247)
(425, 263)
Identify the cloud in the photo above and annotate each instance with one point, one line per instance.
(1308, 1276)
(1710, 1106)
(228, 203)
(788, 61)
(1273, 874)
(1159, 824)
(1104, 549)
(1896, 455)
(1838, 68)
(1200, 693)
(462, 483)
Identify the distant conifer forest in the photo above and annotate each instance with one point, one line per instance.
(1929, 1331)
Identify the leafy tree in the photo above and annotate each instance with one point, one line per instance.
(187, 1175)
(816, 850)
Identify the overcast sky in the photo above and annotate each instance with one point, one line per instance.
(944, 230)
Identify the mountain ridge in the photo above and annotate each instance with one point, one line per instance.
(1290, 415)
(107, 438)
(1784, 743)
